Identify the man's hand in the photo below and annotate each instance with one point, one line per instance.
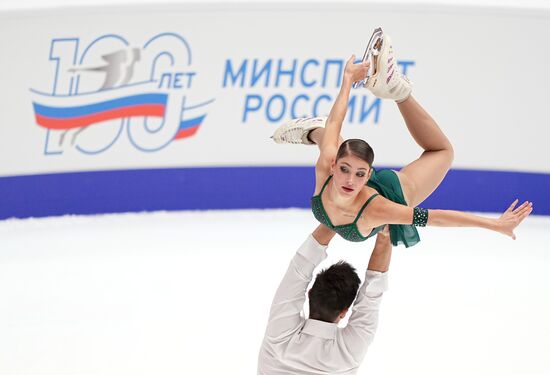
(323, 235)
(381, 255)
(384, 234)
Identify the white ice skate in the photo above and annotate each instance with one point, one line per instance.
(372, 50)
(386, 81)
(296, 131)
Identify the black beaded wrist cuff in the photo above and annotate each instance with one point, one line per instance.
(420, 217)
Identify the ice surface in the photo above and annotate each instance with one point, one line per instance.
(189, 293)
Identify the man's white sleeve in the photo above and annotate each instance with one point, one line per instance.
(363, 322)
(285, 315)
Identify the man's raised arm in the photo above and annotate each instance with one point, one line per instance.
(362, 324)
(284, 317)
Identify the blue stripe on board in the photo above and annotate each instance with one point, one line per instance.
(83, 110)
(191, 122)
(237, 188)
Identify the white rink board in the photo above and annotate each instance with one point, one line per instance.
(489, 100)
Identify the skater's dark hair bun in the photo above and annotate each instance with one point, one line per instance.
(357, 148)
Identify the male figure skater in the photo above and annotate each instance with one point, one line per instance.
(295, 345)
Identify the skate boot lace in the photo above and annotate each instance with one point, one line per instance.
(292, 135)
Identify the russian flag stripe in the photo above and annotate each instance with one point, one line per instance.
(154, 110)
(92, 109)
(184, 133)
(191, 122)
(189, 127)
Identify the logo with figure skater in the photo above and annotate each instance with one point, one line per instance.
(109, 90)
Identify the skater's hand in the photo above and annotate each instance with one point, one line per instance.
(511, 218)
(356, 72)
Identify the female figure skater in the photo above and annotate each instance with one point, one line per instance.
(356, 201)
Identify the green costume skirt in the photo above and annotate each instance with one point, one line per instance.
(386, 183)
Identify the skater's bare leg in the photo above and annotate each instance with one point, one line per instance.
(421, 177)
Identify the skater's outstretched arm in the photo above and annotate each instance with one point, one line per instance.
(329, 144)
(388, 212)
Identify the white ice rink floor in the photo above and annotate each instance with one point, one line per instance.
(189, 293)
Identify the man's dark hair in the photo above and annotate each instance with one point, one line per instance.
(358, 148)
(334, 290)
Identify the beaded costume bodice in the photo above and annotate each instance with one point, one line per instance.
(349, 231)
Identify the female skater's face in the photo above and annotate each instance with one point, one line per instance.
(350, 174)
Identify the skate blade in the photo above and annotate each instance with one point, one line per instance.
(375, 39)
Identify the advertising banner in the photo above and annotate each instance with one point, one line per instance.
(94, 99)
